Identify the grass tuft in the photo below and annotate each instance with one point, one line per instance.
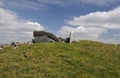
(84, 59)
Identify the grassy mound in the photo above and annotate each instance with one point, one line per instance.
(84, 59)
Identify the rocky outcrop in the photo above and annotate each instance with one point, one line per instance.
(42, 36)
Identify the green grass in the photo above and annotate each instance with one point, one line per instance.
(84, 59)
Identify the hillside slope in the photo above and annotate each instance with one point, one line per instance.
(84, 59)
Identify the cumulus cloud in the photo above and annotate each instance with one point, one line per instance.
(82, 33)
(93, 25)
(109, 20)
(14, 29)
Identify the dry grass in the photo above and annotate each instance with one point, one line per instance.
(85, 59)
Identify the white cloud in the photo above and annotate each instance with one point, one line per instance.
(93, 25)
(14, 29)
(109, 20)
(81, 32)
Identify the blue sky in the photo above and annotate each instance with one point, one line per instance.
(86, 19)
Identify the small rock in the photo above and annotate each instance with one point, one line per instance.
(1, 49)
(25, 54)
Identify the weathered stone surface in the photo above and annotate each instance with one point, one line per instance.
(43, 33)
(1, 48)
(40, 39)
(67, 40)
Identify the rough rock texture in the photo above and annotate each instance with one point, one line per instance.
(43, 33)
(40, 39)
(42, 36)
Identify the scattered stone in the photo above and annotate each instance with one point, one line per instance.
(15, 45)
(25, 54)
(61, 39)
(67, 40)
(1, 48)
(29, 42)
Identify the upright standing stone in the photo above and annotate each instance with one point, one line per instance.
(70, 37)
